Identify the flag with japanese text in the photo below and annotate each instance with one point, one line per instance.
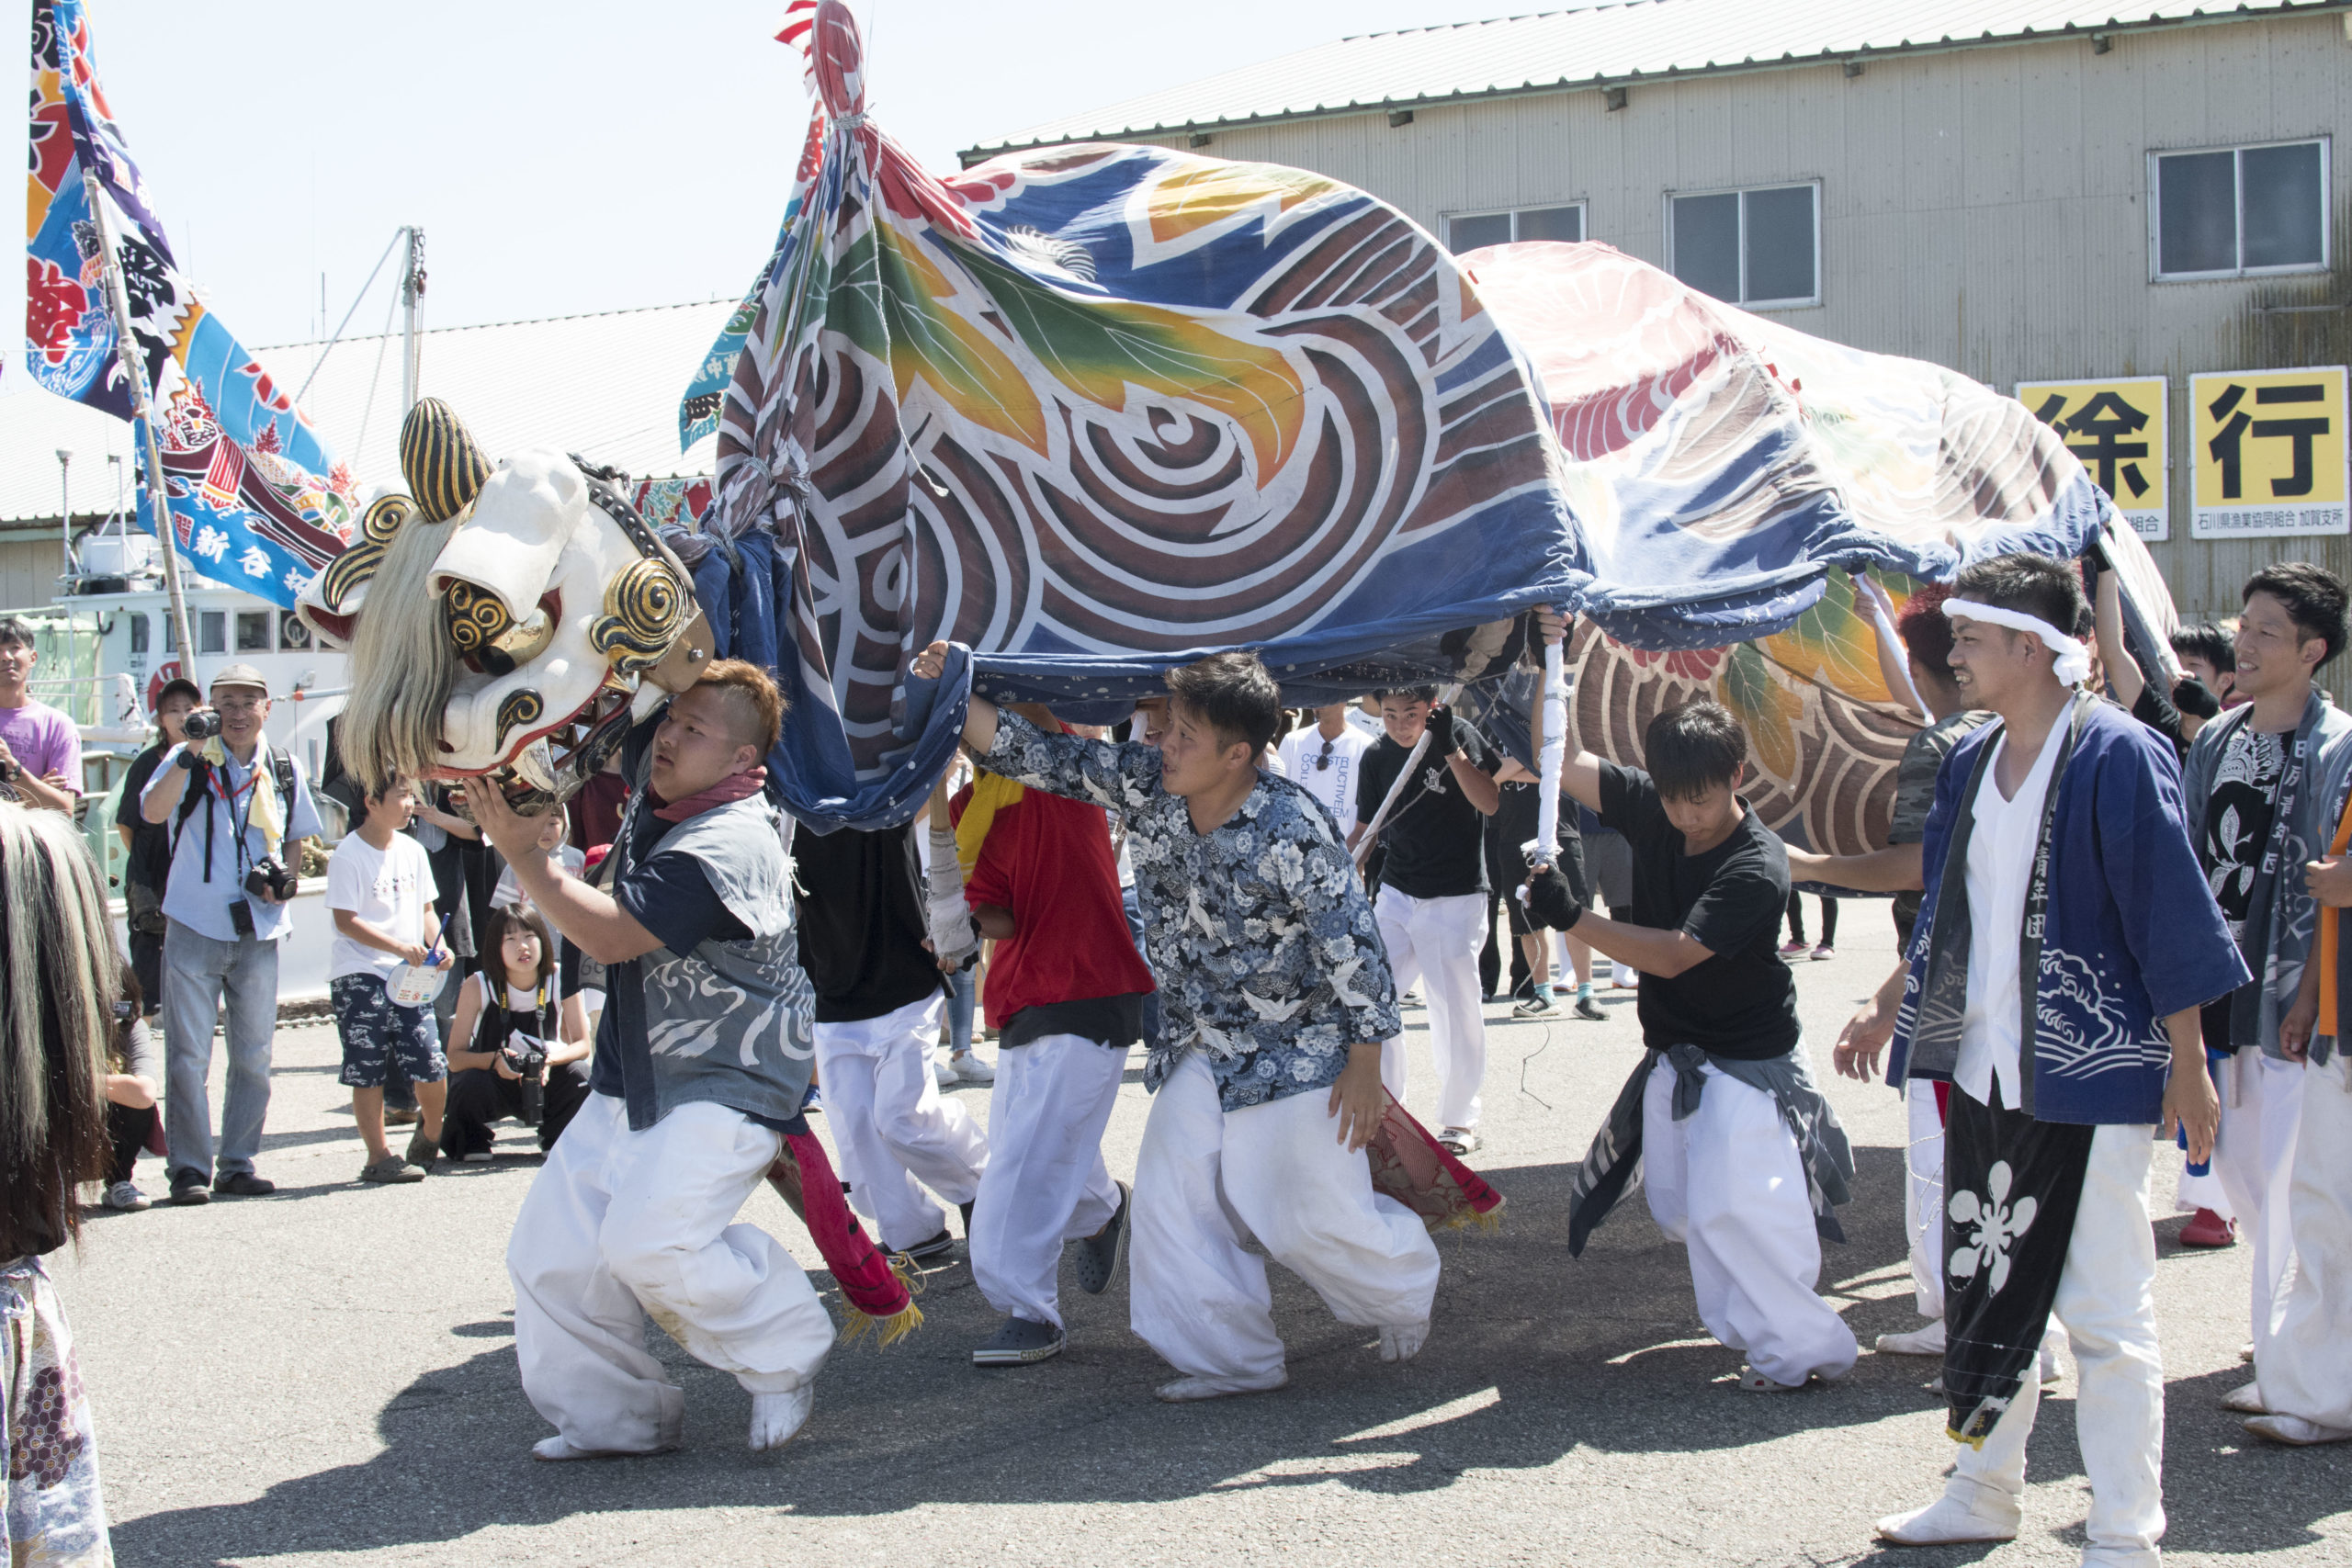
(257, 497)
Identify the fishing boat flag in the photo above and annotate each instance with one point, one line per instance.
(257, 499)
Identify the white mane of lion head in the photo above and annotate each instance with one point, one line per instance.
(503, 621)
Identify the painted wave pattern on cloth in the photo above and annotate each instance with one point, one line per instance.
(257, 498)
(1098, 409)
(1721, 466)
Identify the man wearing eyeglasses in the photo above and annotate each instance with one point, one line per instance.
(235, 806)
(1324, 761)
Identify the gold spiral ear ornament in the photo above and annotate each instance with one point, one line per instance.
(384, 517)
(474, 617)
(519, 707)
(444, 468)
(645, 608)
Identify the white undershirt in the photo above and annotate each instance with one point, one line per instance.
(2000, 864)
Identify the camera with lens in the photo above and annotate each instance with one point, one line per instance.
(526, 1053)
(272, 878)
(202, 724)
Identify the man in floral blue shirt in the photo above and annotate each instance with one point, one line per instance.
(1275, 998)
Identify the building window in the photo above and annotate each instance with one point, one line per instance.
(253, 631)
(212, 631)
(2239, 211)
(1469, 230)
(138, 632)
(1760, 248)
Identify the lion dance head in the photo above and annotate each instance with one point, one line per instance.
(504, 621)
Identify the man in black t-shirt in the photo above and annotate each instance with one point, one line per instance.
(1726, 1079)
(1433, 901)
(863, 930)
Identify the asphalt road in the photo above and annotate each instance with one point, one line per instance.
(328, 1377)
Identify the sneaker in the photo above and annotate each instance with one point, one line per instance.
(1099, 1255)
(1535, 1006)
(943, 1075)
(937, 1247)
(478, 1157)
(1590, 1011)
(1795, 947)
(1822, 950)
(422, 1152)
(1459, 1141)
(1018, 1343)
(189, 1189)
(243, 1184)
(125, 1197)
(402, 1116)
(965, 1209)
(969, 1069)
(2206, 1228)
(810, 1100)
(391, 1170)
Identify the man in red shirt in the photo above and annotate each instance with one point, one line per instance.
(1065, 990)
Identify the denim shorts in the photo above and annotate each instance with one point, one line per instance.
(374, 1031)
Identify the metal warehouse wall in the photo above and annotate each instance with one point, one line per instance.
(1982, 208)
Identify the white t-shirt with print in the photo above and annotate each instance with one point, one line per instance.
(1334, 786)
(390, 888)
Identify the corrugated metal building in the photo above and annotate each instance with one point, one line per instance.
(605, 385)
(1973, 181)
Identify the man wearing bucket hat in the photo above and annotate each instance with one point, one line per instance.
(232, 804)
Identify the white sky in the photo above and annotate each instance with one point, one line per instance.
(587, 155)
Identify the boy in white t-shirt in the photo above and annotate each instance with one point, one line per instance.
(380, 889)
(1323, 760)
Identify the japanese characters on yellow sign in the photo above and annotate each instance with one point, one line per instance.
(2119, 431)
(2269, 454)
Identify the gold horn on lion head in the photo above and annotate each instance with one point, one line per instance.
(444, 468)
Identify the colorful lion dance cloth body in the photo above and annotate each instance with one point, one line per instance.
(1094, 411)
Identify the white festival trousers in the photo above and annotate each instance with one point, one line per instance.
(1923, 1197)
(2106, 1302)
(619, 1225)
(2253, 1154)
(2306, 1369)
(1208, 1180)
(1436, 940)
(896, 1133)
(1045, 1184)
(1729, 1184)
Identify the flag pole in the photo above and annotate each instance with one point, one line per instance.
(134, 369)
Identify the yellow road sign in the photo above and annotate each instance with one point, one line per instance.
(2269, 453)
(2122, 432)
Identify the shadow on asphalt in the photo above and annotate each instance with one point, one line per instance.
(1533, 1355)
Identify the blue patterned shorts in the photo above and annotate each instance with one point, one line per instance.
(374, 1032)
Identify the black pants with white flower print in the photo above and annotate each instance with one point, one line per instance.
(2014, 1184)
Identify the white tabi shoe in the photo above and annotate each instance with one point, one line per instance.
(1928, 1341)
(2047, 1364)
(776, 1419)
(1403, 1341)
(2296, 1431)
(1185, 1390)
(1948, 1520)
(2246, 1400)
(560, 1448)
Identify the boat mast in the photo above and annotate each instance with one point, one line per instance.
(411, 293)
(134, 370)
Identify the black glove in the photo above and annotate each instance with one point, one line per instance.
(2193, 697)
(1550, 903)
(1441, 724)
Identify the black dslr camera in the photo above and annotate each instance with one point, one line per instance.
(202, 724)
(272, 878)
(526, 1053)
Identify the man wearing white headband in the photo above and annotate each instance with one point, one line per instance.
(2067, 939)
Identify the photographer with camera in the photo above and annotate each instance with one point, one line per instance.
(233, 805)
(379, 890)
(526, 1038)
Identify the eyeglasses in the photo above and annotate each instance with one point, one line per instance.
(238, 705)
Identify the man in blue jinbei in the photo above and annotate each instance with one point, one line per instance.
(2069, 1047)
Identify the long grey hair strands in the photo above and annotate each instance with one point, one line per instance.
(404, 666)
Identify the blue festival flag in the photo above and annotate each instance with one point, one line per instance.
(258, 498)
